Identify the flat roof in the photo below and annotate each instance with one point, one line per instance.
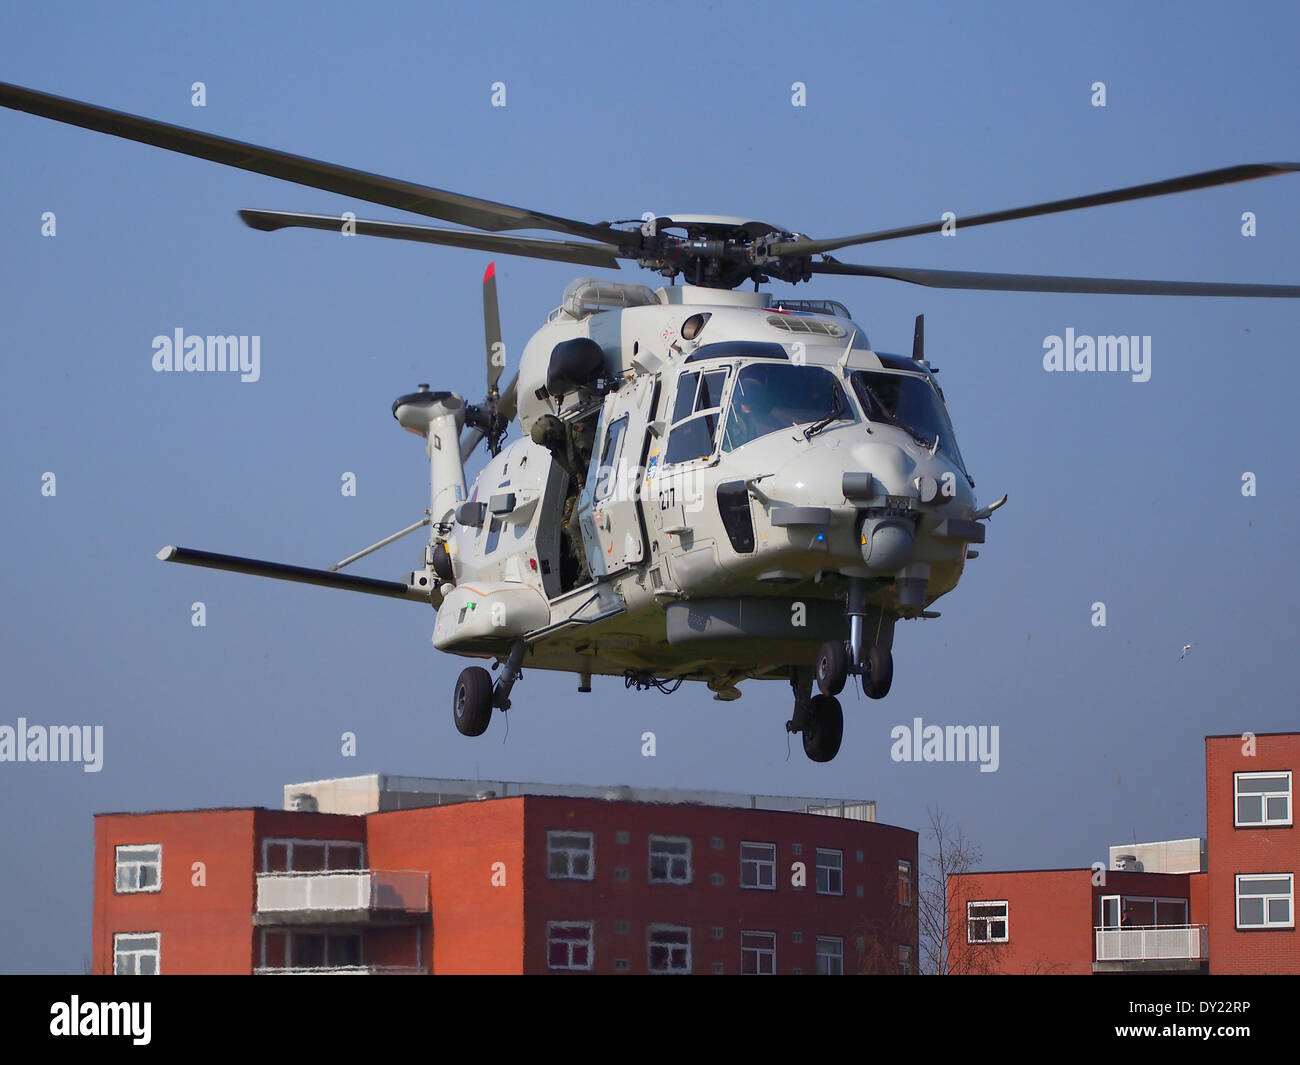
(380, 792)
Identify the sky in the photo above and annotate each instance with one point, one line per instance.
(1121, 492)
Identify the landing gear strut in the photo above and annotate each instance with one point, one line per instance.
(475, 696)
(836, 661)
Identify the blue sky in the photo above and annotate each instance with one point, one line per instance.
(1120, 492)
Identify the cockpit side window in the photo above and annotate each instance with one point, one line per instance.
(697, 413)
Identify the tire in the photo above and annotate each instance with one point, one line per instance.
(880, 674)
(832, 668)
(824, 728)
(472, 704)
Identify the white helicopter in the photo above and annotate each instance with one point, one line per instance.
(710, 484)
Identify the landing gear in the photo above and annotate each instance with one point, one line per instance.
(472, 705)
(879, 674)
(823, 728)
(818, 717)
(476, 697)
(832, 668)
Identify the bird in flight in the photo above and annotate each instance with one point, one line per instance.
(1186, 647)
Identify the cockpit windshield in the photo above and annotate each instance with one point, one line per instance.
(909, 402)
(769, 397)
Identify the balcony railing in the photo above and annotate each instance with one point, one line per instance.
(344, 970)
(357, 892)
(1188, 942)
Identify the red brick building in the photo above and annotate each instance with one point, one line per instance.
(1254, 852)
(1076, 921)
(524, 883)
(1221, 905)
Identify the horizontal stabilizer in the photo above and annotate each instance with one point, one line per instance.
(258, 568)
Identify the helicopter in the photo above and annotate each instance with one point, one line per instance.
(708, 484)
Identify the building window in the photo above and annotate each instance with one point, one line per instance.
(986, 922)
(620, 965)
(621, 873)
(830, 956)
(904, 883)
(670, 949)
(717, 968)
(137, 953)
(620, 928)
(622, 837)
(758, 953)
(311, 855)
(717, 843)
(796, 849)
(718, 931)
(670, 860)
(568, 945)
(796, 937)
(1266, 901)
(1263, 799)
(570, 855)
(139, 868)
(830, 872)
(758, 866)
(717, 879)
(904, 961)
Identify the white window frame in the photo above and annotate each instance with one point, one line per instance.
(905, 961)
(553, 849)
(905, 878)
(290, 842)
(651, 932)
(758, 865)
(987, 921)
(766, 952)
(1264, 796)
(830, 871)
(830, 956)
(136, 954)
(589, 942)
(672, 859)
(134, 866)
(1289, 896)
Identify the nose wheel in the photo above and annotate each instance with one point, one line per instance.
(880, 672)
(832, 668)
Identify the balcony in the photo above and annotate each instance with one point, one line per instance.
(360, 896)
(344, 970)
(1169, 948)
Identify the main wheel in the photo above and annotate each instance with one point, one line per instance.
(880, 675)
(472, 705)
(832, 668)
(824, 728)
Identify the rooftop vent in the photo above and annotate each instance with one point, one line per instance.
(303, 802)
(792, 324)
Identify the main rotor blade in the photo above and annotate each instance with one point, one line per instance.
(358, 184)
(1204, 180)
(508, 405)
(563, 251)
(495, 349)
(966, 279)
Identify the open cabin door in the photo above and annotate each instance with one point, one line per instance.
(613, 530)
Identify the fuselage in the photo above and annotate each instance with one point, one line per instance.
(701, 508)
